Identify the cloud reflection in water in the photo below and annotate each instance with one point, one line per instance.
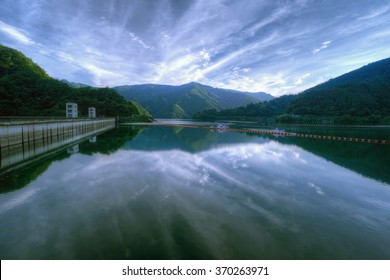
(237, 201)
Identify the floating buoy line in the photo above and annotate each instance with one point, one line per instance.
(288, 134)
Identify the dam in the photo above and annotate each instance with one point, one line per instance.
(24, 140)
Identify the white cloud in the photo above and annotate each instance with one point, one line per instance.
(93, 51)
(374, 14)
(205, 56)
(270, 83)
(237, 71)
(180, 62)
(65, 57)
(299, 80)
(323, 46)
(101, 76)
(15, 33)
(142, 43)
(139, 41)
(277, 15)
(317, 189)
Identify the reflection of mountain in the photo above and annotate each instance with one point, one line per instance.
(370, 160)
(105, 143)
(186, 139)
(21, 178)
(110, 141)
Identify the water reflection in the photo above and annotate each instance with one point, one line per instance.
(248, 200)
(23, 172)
(370, 160)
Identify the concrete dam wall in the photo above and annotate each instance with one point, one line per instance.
(23, 139)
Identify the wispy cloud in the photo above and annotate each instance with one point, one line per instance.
(254, 45)
(139, 41)
(15, 33)
(65, 57)
(300, 79)
(102, 77)
(376, 13)
(323, 46)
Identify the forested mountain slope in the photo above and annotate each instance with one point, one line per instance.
(363, 92)
(26, 90)
(361, 96)
(186, 100)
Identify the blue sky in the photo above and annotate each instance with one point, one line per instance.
(276, 46)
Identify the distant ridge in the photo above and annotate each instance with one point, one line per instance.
(362, 92)
(27, 90)
(361, 96)
(73, 84)
(184, 101)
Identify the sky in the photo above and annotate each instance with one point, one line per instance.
(275, 46)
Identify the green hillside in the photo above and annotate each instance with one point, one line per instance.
(186, 100)
(271, 108)
(74, 85)
(358, 97)
(26, 90)
(360, 93)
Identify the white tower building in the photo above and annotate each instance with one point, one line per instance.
(71, 110)
(92, 112)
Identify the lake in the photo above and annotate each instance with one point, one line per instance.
(173, 192)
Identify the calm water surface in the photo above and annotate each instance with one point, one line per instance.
(181, 193)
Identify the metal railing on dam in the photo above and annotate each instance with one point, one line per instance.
(22, 139)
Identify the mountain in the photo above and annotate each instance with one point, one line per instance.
(361, 96)
(260, 96)
(361, 93)
(274, 107)
(73, 84)
(26, 90)
(184, 101)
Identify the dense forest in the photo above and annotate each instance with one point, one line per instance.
(358, 97)
(360, 93)
(26, 90)
(274, 107)
(184, 101)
